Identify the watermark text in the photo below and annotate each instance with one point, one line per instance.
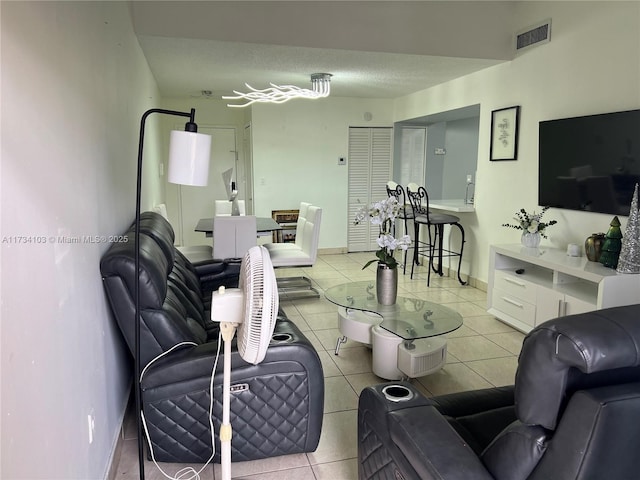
(62, 239)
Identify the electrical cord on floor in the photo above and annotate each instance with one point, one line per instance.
(187, 473)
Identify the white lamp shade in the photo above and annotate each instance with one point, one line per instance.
(189, 155)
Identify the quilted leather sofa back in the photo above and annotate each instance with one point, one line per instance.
(164, 319)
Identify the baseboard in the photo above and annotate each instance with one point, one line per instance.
(112, 473)
(116, 453)
(471, 281)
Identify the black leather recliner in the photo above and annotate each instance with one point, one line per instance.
(574, 413)
(277, 407)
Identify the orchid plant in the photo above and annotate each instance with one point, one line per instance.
(531, 222)
(383, 214)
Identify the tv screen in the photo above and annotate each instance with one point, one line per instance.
(590, 163)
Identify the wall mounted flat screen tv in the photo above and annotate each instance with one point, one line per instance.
(590, 163)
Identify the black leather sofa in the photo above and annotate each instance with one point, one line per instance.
(278, 406)
(574, 413)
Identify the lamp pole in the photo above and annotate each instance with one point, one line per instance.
(191, 127)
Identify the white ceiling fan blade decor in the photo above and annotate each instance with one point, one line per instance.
(320, 88)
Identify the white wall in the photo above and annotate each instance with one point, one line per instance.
(296, 147)
(435, 167)
(461, 157)
(591, 65)
(74, 85)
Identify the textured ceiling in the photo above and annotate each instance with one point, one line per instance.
(374, 49)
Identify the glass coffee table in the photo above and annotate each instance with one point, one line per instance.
(402, 336)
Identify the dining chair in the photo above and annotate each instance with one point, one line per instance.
(233, 236)
(300, 232)
(302, 253)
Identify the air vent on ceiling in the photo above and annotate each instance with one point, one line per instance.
(534, 35)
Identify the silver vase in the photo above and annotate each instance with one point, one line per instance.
(386, 284)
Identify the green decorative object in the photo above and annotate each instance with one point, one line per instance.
(612, 245)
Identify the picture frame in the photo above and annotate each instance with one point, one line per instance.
(504, 134)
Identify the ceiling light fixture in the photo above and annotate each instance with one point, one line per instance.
(320, 88)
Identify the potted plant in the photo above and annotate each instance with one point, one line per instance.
(532, 226)
(383, 214)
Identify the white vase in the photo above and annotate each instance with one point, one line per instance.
(530, 240)
(386, 284)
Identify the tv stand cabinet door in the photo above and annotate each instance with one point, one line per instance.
(552, 304)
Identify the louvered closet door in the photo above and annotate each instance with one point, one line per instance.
(369, 171)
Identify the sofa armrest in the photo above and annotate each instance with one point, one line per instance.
(215, 273)
(432, 447)
(410, 439)
(190, 363)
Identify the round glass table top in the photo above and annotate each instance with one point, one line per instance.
(409, 318)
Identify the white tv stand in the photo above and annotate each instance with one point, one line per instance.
(551, 284)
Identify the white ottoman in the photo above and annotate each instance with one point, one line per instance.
(385, 353)
(356, 324)
(427, 356)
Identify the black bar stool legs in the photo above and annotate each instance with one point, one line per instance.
(435, 247)
(422, 216)
(461, 250)
(416, 246)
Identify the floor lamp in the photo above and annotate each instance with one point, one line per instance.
(189, 154)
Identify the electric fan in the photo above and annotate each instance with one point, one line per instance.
(252, 309)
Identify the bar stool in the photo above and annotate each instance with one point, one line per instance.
(405, 214)
(419, 200)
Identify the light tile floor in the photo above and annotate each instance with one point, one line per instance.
(482, 353)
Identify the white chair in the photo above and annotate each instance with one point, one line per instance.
(233, 236)
(204, 253)
(302, 253)
(302, 219)
(194, 253)
(223, 208)
(161, 208)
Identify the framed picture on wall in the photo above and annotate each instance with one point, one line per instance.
(504, 134)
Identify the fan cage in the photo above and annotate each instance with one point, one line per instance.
(261, 301)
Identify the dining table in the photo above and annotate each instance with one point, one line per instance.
(264, 225)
